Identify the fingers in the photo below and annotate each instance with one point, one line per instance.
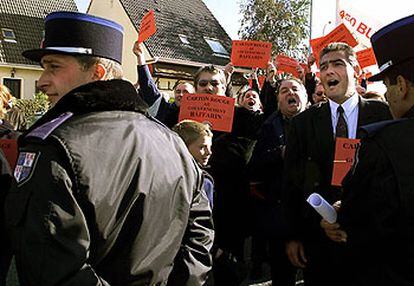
(296, 254)
(333, 231)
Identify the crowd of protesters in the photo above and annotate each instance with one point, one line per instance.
(110, 188)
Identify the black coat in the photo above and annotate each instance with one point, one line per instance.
(309, 163)
(308, 168)
(378, 206)
(107, 197)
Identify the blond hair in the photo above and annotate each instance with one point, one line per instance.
(190, 130)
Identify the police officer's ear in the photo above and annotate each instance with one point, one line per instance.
(99, 72)
(402, 86)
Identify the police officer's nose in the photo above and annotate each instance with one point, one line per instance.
(43, 83)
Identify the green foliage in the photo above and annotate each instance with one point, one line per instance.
(284, 23)
(26, 111)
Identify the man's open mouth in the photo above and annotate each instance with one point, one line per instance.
(332, 82)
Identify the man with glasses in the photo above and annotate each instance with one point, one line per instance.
(211, 80)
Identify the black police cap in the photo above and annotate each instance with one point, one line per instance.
(393, 45)
(76, 33)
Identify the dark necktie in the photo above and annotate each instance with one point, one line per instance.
(341, 126)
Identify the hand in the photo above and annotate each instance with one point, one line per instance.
(296, 253)
(138, 51)
(311, 61)
(228, 71)
(333, 231)
(270, 71)
(301, 72)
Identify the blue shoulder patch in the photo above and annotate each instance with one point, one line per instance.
(372, 129)
(43, 131)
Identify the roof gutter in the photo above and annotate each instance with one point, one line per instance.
(21, 66)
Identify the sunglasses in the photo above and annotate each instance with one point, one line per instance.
(320, 93)
(204, 83)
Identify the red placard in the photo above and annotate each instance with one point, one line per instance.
(9, 148)
(254, 54)
(216, 110)
(366, 58)
(344, 158)
(147, 27)
(339, 34)
(287, 64)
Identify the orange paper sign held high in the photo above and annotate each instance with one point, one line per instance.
(253, 54)
(344, 158)
(287, 64)
(147, 27)
(366, 58)
(218, 111)
(339, 34)
(9, 148)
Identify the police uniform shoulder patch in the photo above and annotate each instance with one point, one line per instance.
(26, 163)
(43, 131)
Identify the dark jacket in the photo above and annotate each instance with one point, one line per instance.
(231, 153)
(378, 206)
(166, 112)
(308, 168)
(102, 198)
(309, 163)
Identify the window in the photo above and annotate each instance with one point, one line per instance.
(184, 39)
(15, 86)
(8, 35)
(217, 47)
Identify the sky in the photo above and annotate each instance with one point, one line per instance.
(227, 12)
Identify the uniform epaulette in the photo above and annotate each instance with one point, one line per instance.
(43, 131)
(372, 129)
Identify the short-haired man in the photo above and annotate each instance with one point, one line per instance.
(211, 80)
(376, 217)
(96, 199)
(309, 162)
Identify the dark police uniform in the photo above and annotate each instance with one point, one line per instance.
(106, 196)
(378, 205)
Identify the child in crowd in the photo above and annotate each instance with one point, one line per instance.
(198, 138)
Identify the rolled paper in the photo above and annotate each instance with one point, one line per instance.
(322, 207)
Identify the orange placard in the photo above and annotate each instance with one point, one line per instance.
(339, 34)
(287, 64)
(344, 158)
(216, 110)
(366, 58)
(147, 27)
(254, 54)
(9, 148)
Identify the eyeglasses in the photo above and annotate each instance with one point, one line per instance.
(204, 83)
(319, 93)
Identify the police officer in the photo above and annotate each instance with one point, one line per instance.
(376, 218)
(96, 198)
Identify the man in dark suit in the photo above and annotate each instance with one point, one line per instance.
(376, 218)
(309, 162)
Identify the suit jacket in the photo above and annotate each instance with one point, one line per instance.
(309, 164)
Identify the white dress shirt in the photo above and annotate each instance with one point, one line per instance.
(351, 109)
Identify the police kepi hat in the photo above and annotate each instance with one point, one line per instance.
(393, 45)
(76, 33)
